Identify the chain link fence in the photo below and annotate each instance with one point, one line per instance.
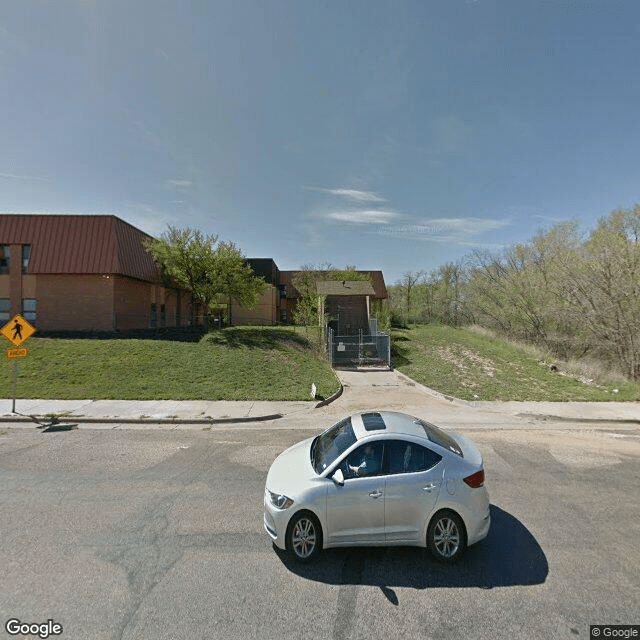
(362, 350)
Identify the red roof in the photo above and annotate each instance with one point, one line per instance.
(104, 244)
(80, 244)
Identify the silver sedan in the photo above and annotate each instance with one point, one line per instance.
(378, 478)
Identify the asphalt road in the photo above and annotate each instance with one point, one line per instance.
(157, 534)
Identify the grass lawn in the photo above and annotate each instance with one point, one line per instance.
(278, 363)
(468, 365)
(237, 363)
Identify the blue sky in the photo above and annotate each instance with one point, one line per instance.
(385, 135)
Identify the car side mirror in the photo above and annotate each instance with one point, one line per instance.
(338, 477)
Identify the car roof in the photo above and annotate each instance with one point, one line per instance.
(371, 423)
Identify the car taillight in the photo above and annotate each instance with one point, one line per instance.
(475, 480)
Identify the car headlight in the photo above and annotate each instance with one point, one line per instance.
(280, 501)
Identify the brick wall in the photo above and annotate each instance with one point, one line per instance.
(74, 302)
(132, 303)
(349, 313)
(266, 311)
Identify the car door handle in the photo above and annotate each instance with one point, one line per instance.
(429, 487)
(375, 494)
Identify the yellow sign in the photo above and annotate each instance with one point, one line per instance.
(17, 331)
(17, 353)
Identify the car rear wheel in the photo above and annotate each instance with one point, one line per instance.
(446, 538)
(304, 537)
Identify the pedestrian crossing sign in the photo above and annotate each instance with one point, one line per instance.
(17, 330)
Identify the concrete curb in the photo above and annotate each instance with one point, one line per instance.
(21, 417)
(330, 399)
(434, 393)
(544, 417)
(85, 420)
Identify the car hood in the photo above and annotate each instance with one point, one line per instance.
(292, 469)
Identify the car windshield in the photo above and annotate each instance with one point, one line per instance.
(330, 444)
(440, 438)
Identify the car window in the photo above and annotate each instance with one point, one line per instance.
(365, 461)
(331, 444)
(408, 457)
(440, 437)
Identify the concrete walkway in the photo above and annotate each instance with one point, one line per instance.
(395, 391)
(363, 390)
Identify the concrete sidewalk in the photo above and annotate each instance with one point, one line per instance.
(363, 390)
(151, 411)
(395, 391)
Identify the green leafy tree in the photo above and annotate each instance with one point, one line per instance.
(308, 304)
(404, 297)
(443, 295)
(600, 283)
(235, 277)
(571, 294)
(575, 297)
(210, 270)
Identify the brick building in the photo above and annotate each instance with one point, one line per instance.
(292, 295)
(83, 273)
(278, 304)
(347, 305)
(268, 310)
(92, 273)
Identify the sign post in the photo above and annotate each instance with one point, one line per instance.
(17, 331)
(15, 386)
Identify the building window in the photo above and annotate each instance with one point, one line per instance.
(163, 315)
(29, 309)
(5, 258)
(26, 255)
(5, 308)
(153, 317)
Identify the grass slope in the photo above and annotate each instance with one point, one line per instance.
(238, 363)
(468, 365)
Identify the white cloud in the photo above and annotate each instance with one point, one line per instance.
(11, 176)
(453, 230)
(179, 184)
(358, 196)
(471, 226)
(351, 194)
(363, 217)
(550, 219)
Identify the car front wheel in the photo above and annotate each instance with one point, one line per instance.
(446, 537)
(304, 537)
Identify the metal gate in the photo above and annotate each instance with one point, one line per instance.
(362, 350)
